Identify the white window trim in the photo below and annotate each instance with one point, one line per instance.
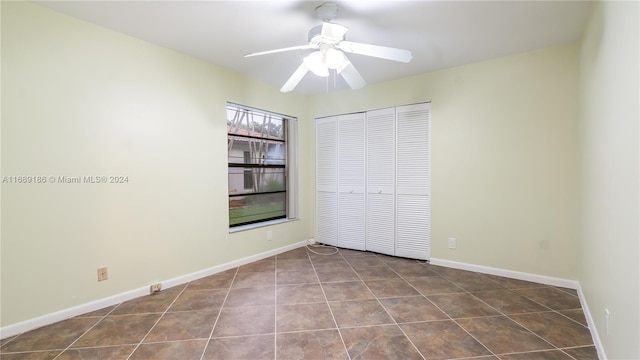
(291, 171)
(240, 228)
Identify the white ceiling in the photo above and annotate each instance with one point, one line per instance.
(440, 34)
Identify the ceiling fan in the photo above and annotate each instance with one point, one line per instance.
(330, 46)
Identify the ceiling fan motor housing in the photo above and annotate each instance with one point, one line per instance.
(327, 33)
(315, 35)
(329, 45)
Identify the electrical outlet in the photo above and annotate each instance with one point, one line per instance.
(269, 235)
(453, 243)
(155, 287)
(102, 274)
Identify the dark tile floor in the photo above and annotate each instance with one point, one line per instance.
(349, 305)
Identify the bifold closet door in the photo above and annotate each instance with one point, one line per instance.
(380, 214)
(373, 181)
(351, 181)
(413, 181)
(327, 181)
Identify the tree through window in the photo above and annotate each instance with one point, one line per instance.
(257, 151)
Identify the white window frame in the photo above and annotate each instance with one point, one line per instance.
(291, 171)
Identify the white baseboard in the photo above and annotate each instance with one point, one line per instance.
(230, 265)
(31, 324)
(592, 325)
(547, 280)
(40, 321)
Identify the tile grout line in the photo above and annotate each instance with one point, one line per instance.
(564, 352)
(574, 347)
(524, 327)
(204, 351)
(385, 309)
(574, 320)
(380, 303)
(344, 344)
(275, 308)
(500, 314)
(89, 329)
(550, 310)
(449, 316)
(554, 310)
(554, 347)
(156, 323)
(392, 266)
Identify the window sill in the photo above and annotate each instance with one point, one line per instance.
(259, 225)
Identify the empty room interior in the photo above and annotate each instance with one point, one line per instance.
(470, 168)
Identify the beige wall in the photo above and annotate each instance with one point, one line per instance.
(610, 197)
(79, 100)
(504, 157)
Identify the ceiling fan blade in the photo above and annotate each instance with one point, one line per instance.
(382, 52)
(352, 76)
(300, 47)
(333, 31)
(295, 78)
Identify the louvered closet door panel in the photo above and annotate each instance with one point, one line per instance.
(381, 181)
(326, 154)
(351, 181)
(351, 222)
(326, 181)
(380, 225)
(326, 218)
(351, 152)
(413, 226)
(381, 151)
(413, 181)
(413, 149)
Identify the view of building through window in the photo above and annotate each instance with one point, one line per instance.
(257, 151)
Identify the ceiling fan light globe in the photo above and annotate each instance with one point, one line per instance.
(335, 59)
(314, 63)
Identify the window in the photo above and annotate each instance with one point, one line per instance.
(262, 178)
(248, 174)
